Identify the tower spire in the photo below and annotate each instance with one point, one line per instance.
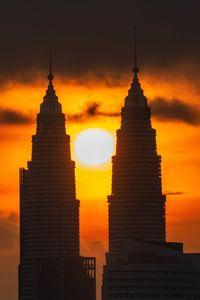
(135, 68)
(50, 75)
(50, 103)
(135, 93)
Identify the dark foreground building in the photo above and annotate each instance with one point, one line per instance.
(51, 267)
(140, 263)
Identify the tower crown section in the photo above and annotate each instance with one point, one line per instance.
(135, 97)
(50, 103)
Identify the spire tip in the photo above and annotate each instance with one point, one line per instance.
(50, 75)
(135, 68)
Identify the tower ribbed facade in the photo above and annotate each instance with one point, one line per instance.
(140, 263)
(50, 263)
(136, 205)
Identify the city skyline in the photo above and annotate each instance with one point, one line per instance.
(98, 246)
(173, 90)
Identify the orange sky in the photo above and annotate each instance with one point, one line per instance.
(178, 143)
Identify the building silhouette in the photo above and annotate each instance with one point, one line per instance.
(51, 267)
(140, 263)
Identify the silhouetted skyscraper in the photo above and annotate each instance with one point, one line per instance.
(136, 205)
(140, 263)
(51, 267)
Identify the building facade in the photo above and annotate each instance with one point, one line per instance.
(140, 263)
(152, 271)
(51, 267)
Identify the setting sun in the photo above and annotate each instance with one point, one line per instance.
(94, 146)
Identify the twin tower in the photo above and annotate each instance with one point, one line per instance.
(140, 264)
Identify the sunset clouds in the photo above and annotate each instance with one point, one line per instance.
(98, 105)
(175, 110)
(8, 230)
(96, 37)
(13, 117)
(92, 63)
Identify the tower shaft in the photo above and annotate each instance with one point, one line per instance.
(136, 205)
(51, 267)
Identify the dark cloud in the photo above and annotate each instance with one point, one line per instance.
(12, 117)
(175, 110)
(169, 193)
(8, 230)
(96, 36)
(91, 110)
(172, 110)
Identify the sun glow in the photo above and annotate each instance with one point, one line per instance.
(94, 146)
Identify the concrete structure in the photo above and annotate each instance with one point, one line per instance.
(152, 272)
(51, 267)
(140, 263)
